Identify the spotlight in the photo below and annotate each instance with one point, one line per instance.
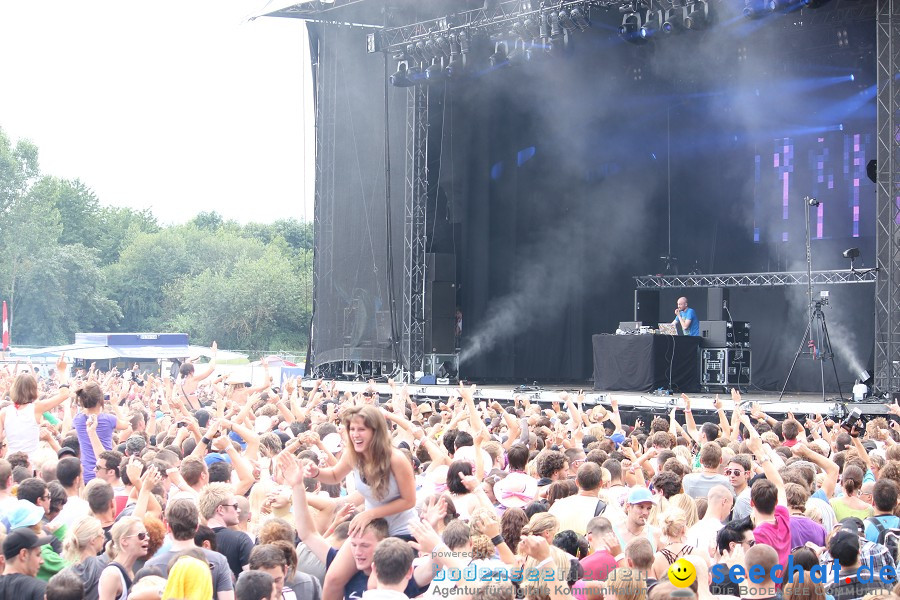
(402, 77)
(443, 44)
(423, 53)
(629, 30)
(697, 15)
(556, 30)
(545, 26)
(455, 65)
(651, 25)
(580, 19)
(852, 254)
(673, 20)
(435, 71)
(533, 28)
(499, 57)
(519, 53)
(755, 9)
(566, 21)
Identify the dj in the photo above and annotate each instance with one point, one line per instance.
(686, 319)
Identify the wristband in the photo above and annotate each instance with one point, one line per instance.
(619, 557)
(205, 441)
(497, 539)
(687, 410)
(63, 385)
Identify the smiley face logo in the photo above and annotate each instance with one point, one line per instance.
(682, 573)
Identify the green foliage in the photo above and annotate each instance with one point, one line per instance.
(70, 264)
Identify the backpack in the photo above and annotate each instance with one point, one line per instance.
(601, 507)
(887, 536)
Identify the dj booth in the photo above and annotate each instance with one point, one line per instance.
(643, 363)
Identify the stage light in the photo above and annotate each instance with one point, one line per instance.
(697, 15)
(755, 9)
(533, 28)
(651, 25)
(435, 71)
(580, 19)
(630, 28)
(851, 253)
(443, 44)
(566, 21)
(499, 57)
(402, 77)
(422, 50)
(455, 64)
(545, 26)
(673, 20)
(556, 30)
(519, 53)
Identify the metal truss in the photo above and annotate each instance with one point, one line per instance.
(323, 211)
(415, 212)
(887, 228)
(491, 21)
(754, 279)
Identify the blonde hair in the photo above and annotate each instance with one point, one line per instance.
(78, 536)
(481, 517)
(482, 547)
(674, 523)
(119, 531)
(688, 506)
(542, 524)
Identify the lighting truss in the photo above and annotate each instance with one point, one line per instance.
(646, 282)
(495, 22)
(887, 228)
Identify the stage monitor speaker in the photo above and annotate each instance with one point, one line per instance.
(440, 336)
(440, 300)
(716, 297)
(646, 307)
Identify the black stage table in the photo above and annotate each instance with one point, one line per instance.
(643, 363)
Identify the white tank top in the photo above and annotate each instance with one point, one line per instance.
(398, 524)
(22, 430)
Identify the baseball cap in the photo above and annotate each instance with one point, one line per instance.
(214, 457)
(333, 442)
(844, 547)
(640, 494)
(66, 451)
(23, 539)
(618, 438)
(24, 514)
(425, 408)
(853, 525)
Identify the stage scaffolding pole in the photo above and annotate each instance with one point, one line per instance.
(414, 241)
(887, 230)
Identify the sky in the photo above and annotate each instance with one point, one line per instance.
(180, 107)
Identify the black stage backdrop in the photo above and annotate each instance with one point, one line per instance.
(553, 182)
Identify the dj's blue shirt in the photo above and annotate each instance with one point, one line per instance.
(694, 329)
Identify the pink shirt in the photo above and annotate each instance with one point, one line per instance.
(777, 535)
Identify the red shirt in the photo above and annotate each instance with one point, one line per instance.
(598, 565)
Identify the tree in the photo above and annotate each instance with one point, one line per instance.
(64, 296)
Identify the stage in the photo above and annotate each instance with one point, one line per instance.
(633, 403)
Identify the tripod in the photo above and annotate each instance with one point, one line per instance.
(815, 339)
(817, 342)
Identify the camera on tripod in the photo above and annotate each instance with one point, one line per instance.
(823, 299)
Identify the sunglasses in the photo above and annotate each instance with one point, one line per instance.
(141, 536)
(735, 472)
(235, 506)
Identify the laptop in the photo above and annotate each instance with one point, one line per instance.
(667, 329)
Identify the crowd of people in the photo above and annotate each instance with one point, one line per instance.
(119, 486)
